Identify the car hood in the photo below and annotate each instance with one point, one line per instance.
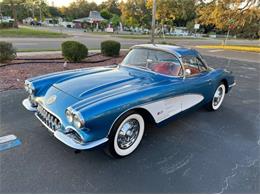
(106, 82)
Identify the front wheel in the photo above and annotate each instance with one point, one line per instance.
(126, 135)
(218, 98)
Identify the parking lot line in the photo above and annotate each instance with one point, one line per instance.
(216, 50)
(9, 141)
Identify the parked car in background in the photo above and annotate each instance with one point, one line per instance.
(36, 23)
(112, 105)
(6, 19)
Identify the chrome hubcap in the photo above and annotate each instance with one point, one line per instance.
(128, 134)
(218, 96)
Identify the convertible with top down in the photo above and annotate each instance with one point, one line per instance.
(112, 105)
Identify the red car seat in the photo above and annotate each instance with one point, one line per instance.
(165, 68)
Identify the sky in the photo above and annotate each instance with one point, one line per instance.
(59, 3)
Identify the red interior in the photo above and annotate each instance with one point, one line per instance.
(165, 68)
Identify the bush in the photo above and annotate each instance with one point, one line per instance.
(110, 48)
(74, 51)
(7, 52)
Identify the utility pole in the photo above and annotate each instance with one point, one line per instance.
(153, 21)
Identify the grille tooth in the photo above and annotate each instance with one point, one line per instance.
(49, 119)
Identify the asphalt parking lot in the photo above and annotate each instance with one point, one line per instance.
(199, 152)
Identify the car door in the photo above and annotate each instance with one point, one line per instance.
(197, 82)
(168, 102)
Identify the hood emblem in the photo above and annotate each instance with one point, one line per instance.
(51, 99)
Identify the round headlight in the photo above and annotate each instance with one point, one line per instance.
(69, 116)
(26, 87)
(77, 123)
(30, 91)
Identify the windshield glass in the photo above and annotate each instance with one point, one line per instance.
(154, 60)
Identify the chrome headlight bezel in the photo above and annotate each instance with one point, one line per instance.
(28, 86)
(69, 115)
(74, 118)
(77, 122)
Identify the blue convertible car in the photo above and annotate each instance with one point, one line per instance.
(88, 107)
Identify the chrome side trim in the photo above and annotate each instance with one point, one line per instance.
(232, 85)
(28, 106)
(71, 143)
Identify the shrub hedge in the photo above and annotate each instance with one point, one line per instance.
(110, 48)
(7, 52)
(74, 51)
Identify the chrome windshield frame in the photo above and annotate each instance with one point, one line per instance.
(149, 70)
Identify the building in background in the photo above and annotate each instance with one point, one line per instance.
(94, 19)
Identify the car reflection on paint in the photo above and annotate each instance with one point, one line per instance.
(112, 105)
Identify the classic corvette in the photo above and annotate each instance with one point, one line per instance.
(89, 107)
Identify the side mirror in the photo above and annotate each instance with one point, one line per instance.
(187, 72)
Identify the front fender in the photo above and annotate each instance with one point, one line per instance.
(100, 116)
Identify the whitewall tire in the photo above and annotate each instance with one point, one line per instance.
(126, 134)
(218, 97)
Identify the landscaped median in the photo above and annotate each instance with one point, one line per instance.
(232, 47)
(28, 32)
(15, 70)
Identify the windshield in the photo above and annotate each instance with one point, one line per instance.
(154, 60)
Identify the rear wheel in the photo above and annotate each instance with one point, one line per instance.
(218, 98)
(126, 135)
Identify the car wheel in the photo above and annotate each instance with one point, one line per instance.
(126, 135)
(218, 98)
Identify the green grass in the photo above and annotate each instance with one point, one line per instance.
(27, 32)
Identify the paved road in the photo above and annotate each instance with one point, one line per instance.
(93, 42)
(199, 152)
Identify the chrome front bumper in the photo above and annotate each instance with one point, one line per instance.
(65, 138)
(73, 144)
(232, 85)
(27, 104)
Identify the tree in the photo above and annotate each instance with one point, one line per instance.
(135, 13)
(178, 12)
(115, 20)
(54, 11)
(13, 5)
(37, 8)
(7, 10)
(230, 15)
(106, 14)
(111, 6)
(78, 9)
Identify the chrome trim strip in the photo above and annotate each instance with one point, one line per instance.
(232, 85)
(27, 104)
(71, 143)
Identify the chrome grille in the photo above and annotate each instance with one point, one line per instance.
(51, 121)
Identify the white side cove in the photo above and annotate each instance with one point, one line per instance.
(166, 108)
